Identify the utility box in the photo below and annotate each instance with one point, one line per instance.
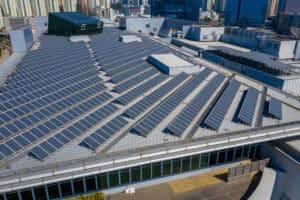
(73, 23)
(21, 39)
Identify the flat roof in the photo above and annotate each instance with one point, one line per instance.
(171, 60)
(100, 103)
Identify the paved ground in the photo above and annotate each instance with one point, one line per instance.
(210, 186)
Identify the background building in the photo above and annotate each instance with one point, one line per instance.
(246, 12)
(183, 9)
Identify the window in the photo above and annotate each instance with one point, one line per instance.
(238, 153)
(246, 150)
(257, 152)
(221, 158)
(113, 178)
(78, 186)
(154, 29)
(40, 193)
(195, 162)
(12, 196)
(252, 150)
(66, 188)
(90, 183)
(102, 181)
(213, 158)
(230, 154)
(147, 25)
(124, 176)
(83, 26)
(176, 166)
(166, 168)
(26, 194)
(135, 174)
(186, 163)
(53, 191)
(204, 160)
(146, 171)
(156, 170)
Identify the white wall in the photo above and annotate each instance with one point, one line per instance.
(42, 22)
(198, 33)
(22, 39)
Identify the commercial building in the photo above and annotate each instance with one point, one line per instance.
(246, 12)
(79, 117)
(73, 23)
(186, 9)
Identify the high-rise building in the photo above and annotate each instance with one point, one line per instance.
(272, 9)
(289, 6)
(220, 6)
(246, 12)
(183, 9)
(28, 8)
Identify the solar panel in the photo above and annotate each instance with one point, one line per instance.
(149, 100)
(133, 94)
(62, 138)
(275, 108)
(130, 73)
(217, 114)
(105, 132)
(247, 111)
(147, 124)
(187, 115)
(135, 80)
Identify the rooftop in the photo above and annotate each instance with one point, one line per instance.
(104, 104)
(171, 60)
(75, 17)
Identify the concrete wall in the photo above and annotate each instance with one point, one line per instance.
(156, 25)
(42, 22)
(240, 41)
(145, 25)
(283, 49)
(290, 183)
(198, 33)
(22, 39)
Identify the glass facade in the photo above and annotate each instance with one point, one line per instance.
(178, 9)
(131, 175)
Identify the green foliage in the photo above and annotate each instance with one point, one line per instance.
(92, 196)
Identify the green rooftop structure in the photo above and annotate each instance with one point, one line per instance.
(73, 23)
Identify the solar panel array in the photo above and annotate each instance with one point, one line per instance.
(58, 140)
(155, 96)
(275, 108)
(131, 72)
(217, 114)
(147, 124)
(133, 94)
(51, 87)
(247, 111)
(126, 85)
(187, 115)
(104, 133)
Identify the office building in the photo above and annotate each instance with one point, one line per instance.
(220, 6)
(289, 6)
(186, 9)
(246, 13)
